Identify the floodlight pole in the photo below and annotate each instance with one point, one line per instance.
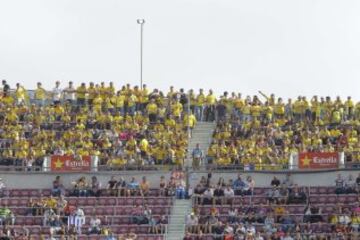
(141, 22)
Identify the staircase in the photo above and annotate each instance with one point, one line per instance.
(202, 134)
(176, 226)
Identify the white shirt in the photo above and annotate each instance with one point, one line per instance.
(69, 93)
(232, 213)
(209, 192)
(56, 93)
(2, 185)
(344, 219)
(79, 212)
(95, 222)
(228, 192)
(192, 221)
(288, 238)
(251, 229)
(229, 229)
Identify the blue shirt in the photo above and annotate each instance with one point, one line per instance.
(238, 184)
(133, 185)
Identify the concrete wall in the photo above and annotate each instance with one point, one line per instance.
(321, 178)
(44, 180)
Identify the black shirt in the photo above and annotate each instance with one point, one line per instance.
(275, 182)
(218, 192)
(112, 183)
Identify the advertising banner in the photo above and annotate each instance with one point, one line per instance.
(318, 160)
(70, 163)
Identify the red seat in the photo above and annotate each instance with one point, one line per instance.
(13, 202)
(91, 201)
(121, 201)
(81, 201)
(110, 201)
(46, 192)
(129, 201)
(35, 193)
(140, 201)
(109, 210)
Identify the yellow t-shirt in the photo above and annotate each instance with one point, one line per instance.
(152, 108)
(40, 94)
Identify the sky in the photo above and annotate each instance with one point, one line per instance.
(286, 47)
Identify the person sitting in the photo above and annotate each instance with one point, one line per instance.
(296, 196)
(163, 221)
(350, 185)
(238, 185)
(218, 195)
(287, 222)
(207, 197)
(49, 216)
(80, 187)
(147, 214)
(137, 215)
(144, 187)
(55, 224)
(154, 225)
(275, 182)
(180, 189)
(312, 214)
(228, 195)
(273, 195)
(340, 185)
(77, 218)
(132, 187)
(192, 223)
(170, 189)
(6, 216)
(61, 204)
(121, 187)
(233, 215)
(249, 186)
(111, 186)
(58, 187)
(95, 188)
(95, 227)
(162, 186)
(269, 223)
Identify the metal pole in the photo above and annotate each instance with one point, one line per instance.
(141, 22)
(141, 56)
(189, 112)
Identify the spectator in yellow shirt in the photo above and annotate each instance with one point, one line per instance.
(40, 95)
(176, 109)
(199, 105)
(152, 110)
(91, 91)
(20, 94)
(81, 95)
(210, 106)
(189, 122)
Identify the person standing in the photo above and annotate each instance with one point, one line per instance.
(197, 156)
(56, 93)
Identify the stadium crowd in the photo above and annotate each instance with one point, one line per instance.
(236, 210)
(136, 126)
(63, 216)
(262, 134)
(128, 127)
